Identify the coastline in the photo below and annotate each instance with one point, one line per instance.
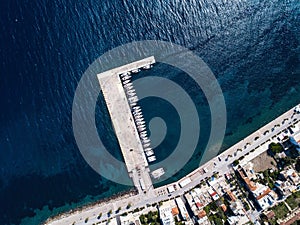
(118, 196)
(242, 147)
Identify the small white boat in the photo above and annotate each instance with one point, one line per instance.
(140, 123)
(147, 145)
(125, 74)
(128, 85)
(130, 91)
(151, 158)
(128, 88)
(147, 67)
(133, 99)
(131, 94)
(137, 113)
(126, 77)
(149, 153)
(126, 82)
(141, 129)
(146, 141)
(135, 70)
(148, 149)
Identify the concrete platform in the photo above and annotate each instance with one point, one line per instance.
(123, 122)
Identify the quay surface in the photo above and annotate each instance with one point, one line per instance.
(250, 147)
(124, 125)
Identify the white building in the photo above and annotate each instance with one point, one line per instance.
(204, 221)
(130, 219)
(264, 196)
(165, 212)
(182, 209)
(213, 194)
(239, 214)
(285, 187)
(237, 220)
(185, 182)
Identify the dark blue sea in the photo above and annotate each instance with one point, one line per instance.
(252, 47)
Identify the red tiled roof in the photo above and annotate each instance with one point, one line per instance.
(175, 211)
(263, 194)
(250, 184)
(199, 205)
(213, 194)
(224, 208)
(231, 195)
(201, 214)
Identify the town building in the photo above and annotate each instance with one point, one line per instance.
(202, 218)
(182, 209)
(263, 195)
(167, 211)
(130, 219)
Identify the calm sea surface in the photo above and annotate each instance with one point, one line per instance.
(251, 46)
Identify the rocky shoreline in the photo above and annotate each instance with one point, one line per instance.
(118, 196)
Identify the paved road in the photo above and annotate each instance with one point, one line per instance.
(253, 141)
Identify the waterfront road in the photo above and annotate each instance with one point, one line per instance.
(249, 147)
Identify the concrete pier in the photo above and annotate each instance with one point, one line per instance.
(124, 125)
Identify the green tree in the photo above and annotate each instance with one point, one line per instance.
(275, 148)
(143, 219)
(236, 162)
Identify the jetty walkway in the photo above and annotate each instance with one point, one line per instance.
(120, 110)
